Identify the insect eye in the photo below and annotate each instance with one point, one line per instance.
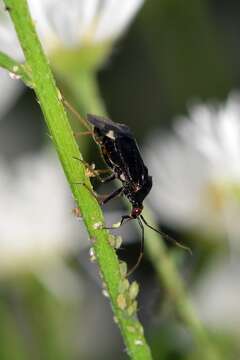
(136, 212)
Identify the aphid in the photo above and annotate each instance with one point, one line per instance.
(120, 152)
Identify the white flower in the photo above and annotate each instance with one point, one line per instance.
(196, 170)
(72, 23)
(37, 227)
(66, 25)
(216, 296)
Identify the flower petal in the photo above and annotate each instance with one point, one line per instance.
(114, 17)
(63, 21)
(196, 169)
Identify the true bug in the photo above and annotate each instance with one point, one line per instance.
(120, 152)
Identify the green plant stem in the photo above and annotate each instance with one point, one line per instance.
(14, 67)
(50, 101)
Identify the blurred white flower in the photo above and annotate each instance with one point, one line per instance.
(72, 23)
(65, 25)
(37, 227)
(196, 170)
(216, 296)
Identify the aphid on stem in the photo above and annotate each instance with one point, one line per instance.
(120, 152)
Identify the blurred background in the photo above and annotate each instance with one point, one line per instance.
(172, 75)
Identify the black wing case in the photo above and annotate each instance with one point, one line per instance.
(105, 125)
(122, 149)
(131, 159)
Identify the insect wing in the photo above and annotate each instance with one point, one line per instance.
(132, 162)
(109, 128)
(121, 153)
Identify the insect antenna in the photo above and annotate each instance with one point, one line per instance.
(76, 113)
(165, 236)
(141, 249)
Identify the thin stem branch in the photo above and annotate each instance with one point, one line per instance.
(50, 101)
(16, 68)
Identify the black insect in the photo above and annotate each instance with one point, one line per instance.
(121, 154)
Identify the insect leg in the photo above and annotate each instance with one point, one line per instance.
(98, 197)
(124, 219)
(112, 195)
(108, 178)
(82, 133)
(89, 189)
(76, 113)
(92, 172)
